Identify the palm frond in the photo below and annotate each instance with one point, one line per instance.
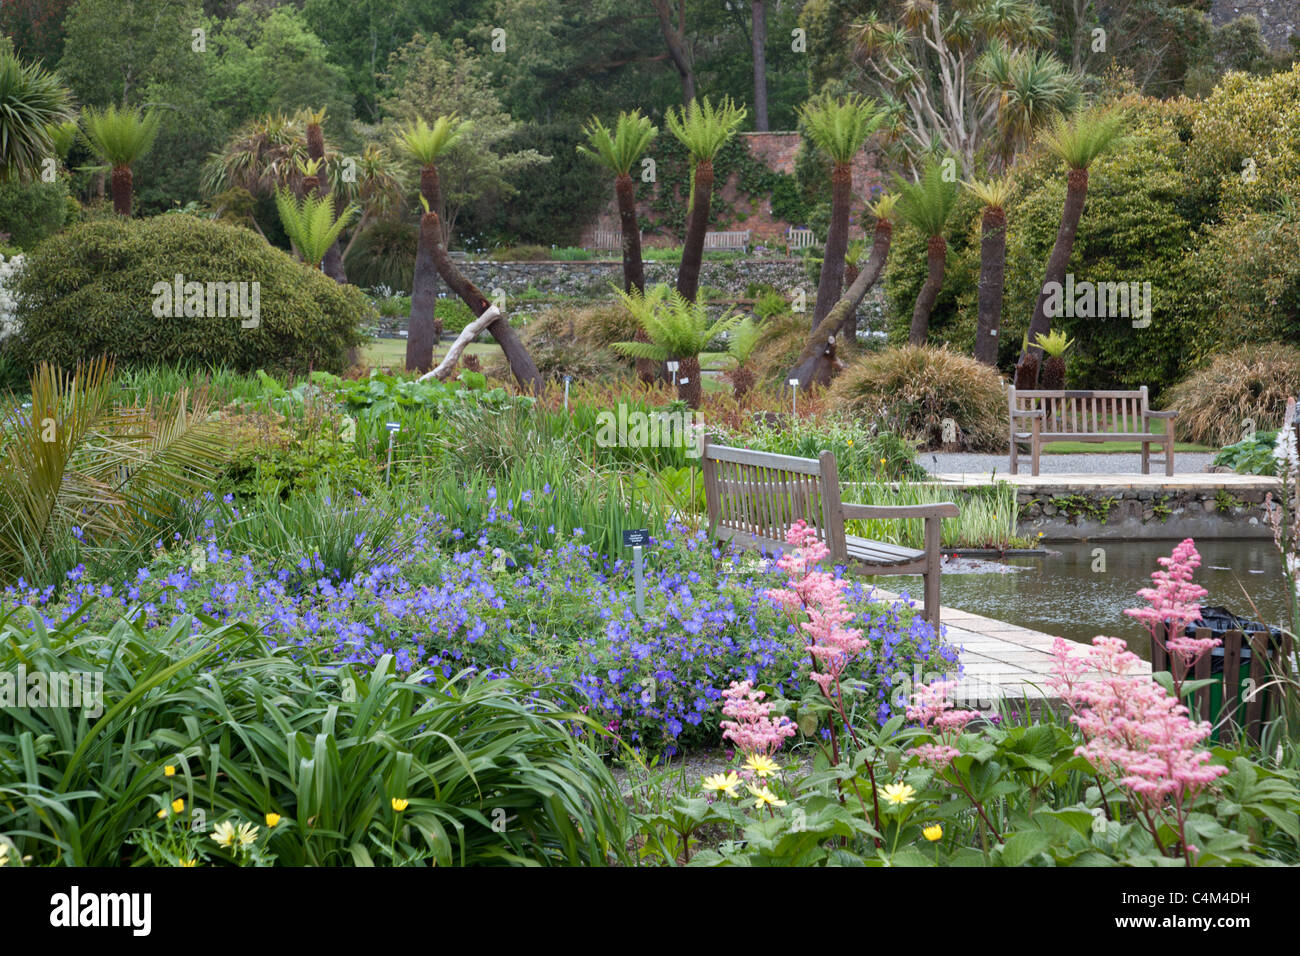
(840, 126)
(618, 150)
(704, 129)
(120, 137)
(424, 143)
(32, 103)
(1080, 140)
(927, 203)
(311, 223)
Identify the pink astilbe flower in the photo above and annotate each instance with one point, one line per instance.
(1134, 732)
(1174, 603)
(931, 708)
(820, 595)
(752, 729)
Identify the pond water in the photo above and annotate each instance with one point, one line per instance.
(1060, 593)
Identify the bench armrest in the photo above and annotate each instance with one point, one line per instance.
(1161, 414)
(855, 512)
(1036, 413)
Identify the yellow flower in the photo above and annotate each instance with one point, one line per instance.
(169, 771)
(762, 765)
(882, 461)
(178, 805)
(723, 783)
(162, 813)
(4, 854)
(850, 442)
(224, 833)
(400, 804)
(933, 832)
(898, 793)
(765, 798)
(272, 819)
(187, 862)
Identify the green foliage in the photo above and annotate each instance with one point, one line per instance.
(1054, 344)
(704, 128)
(926, 204)
(91, 290)
(1239, 391)
(30, 212)
(619, 150)
(32, 102)
(119, 137)
(250, 730)
(425, 144)
(1250, 456)
(312, 223)
(383, 254)
(839, 126)
(675, 326)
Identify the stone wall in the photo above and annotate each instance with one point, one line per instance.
(778, 152)
(1073, 513)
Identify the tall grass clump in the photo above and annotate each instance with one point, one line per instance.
(1244, 387)
(987, 518)
(918, 387)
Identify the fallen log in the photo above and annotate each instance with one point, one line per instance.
(466, 336)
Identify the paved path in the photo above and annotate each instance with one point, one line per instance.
(1000, 661)
(1110, 464)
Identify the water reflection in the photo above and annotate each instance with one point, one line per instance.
(1068, 592)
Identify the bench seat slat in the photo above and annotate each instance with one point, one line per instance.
(877, 552)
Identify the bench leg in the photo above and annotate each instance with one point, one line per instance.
(1015, 458)
(1169, 457)
(1036, 448)
(1146, 458)
(933, 559)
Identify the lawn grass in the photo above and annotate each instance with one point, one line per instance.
(1118, 447)
(392, 352)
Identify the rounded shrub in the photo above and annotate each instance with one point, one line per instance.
(918, 387)
(1246, 387)
(31, 211)
(107, 287)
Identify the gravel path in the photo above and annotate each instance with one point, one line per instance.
(1094, 464)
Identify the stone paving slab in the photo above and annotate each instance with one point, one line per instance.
(1000, 661)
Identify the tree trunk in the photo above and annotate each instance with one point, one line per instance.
(422, 332)
(633, 268)
(333, 262)
(521, 363)
(697, 224)
(759, 40)
(689, 386)
(1075, 193)
(993, 263)
(675, 38)
(817, 363)
(936, 252)
(831, 282)
(122, 190)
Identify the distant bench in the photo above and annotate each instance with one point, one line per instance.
(801, 239)
(727, 240)
(1039, 416)
(609, 240)
(754, 497)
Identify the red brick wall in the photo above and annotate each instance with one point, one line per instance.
(777, 151)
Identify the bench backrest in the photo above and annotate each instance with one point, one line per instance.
(802, 238)
(754, 497)
(608, 239)
(726, 240)
(1081, 412)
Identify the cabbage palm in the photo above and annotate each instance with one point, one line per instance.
(120, 138)
(77, 466)
(703, 130)
(839, 128)
(32, 105)
(311, 223)
(926, 205)
(677, 329)
(994, 195)
(1078, 142)
(261, 157)
(618, 151)
(424, 145)
(376, 186)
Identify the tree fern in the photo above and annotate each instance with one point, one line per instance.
(311, 223)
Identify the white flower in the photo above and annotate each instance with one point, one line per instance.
(1285, 451)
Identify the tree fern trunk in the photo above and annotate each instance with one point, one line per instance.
(993, 263)
(122, 190)
(422, 332)
(936, 253)
(837, 242)
(697, 224)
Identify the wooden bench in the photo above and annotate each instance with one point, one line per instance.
(727, 240)
(754, 497)
(1041, 416)
(609, 240)
(800, 239)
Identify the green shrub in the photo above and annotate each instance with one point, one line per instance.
(1250, 456)
(31, 211)
(919, 387)
(522, 254)
(383, 254)
(1239, 391)
(90, 290)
